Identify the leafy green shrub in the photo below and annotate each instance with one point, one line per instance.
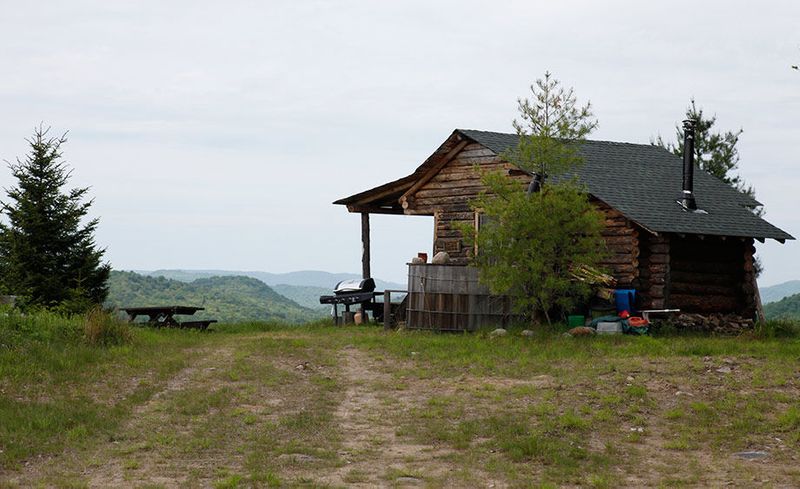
(101, 328)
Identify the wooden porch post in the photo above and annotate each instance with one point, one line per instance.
(365, 245)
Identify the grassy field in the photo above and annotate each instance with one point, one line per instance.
(273, 406)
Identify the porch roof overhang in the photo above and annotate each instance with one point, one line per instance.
(383, 199)
(386, 198)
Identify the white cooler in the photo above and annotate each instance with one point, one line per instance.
(610, 327)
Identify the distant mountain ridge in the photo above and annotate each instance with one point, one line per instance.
(774, 293)
(227, 299)
(786, 308)
(310, 278)
(305, 295)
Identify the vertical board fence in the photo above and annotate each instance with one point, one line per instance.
(450, 298)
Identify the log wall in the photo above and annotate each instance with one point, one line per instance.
(654, 271)
(709, 275)
(693, 274)
(622, 241)
(448, 195)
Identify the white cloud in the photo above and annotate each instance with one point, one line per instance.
(224, 130)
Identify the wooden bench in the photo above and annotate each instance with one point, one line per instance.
(201, 325)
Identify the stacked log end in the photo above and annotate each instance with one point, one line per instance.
(752, 299)
(622, 245)
(710, 275)
(654, 271)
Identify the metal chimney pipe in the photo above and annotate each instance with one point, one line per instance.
(687, 197)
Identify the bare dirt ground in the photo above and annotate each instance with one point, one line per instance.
(371, 449)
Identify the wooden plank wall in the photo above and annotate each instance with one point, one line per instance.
(450, 298)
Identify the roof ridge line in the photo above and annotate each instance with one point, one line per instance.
(606, 141)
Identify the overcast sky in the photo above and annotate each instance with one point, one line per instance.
(217, 134)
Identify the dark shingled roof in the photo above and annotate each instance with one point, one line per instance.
(644, 182)
(641, 181)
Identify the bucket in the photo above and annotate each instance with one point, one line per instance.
(573, 321)
(625, 300)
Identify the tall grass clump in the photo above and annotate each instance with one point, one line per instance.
(40, 327)
(101, 328)
(21, 331)
(778, 328)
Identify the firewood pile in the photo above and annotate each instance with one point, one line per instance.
(718, 324)
(592, 276)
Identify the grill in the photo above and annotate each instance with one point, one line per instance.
(352, 292)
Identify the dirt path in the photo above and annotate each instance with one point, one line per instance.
(373, 454)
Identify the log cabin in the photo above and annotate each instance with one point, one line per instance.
(678, 235)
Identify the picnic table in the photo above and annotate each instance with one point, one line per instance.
(164, 316)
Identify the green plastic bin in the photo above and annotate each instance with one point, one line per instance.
(573, 321)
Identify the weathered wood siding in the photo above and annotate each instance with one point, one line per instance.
(622, 241)
(695, 275)
(448, 195)
(450, 298)
(708, 275)
(653, 280)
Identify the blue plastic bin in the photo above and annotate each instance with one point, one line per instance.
(625, 300)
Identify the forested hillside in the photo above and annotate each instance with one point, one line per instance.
(228, 299)
(306, 296)
(788, 307)
(304, 278)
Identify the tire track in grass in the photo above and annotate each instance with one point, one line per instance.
(373, 454)
(149, 451)
(140, 451)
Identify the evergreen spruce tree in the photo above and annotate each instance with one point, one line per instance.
(48, 256)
